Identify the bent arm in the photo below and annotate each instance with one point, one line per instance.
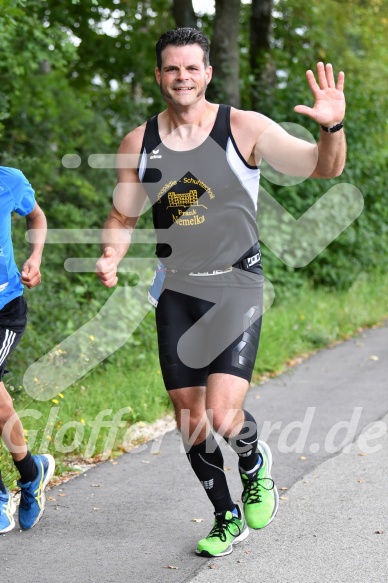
(258, 137)
(128, 201)
(36, 221)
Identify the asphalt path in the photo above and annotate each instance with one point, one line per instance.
(139, 519)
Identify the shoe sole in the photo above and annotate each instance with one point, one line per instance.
(49, 475)
(229, 550)
(264, 447)
(12, 523)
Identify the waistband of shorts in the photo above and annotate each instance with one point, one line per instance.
(245, 264)
(201, 273)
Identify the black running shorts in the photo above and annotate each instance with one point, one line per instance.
(214, 329)
(13, 320)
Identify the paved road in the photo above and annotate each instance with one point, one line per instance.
(133, 521)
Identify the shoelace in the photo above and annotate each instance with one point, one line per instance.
(251, 493)
(221, 526)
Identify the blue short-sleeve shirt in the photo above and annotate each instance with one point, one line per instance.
(16, 195)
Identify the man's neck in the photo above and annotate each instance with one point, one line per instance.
(200, 114)
(186, 128)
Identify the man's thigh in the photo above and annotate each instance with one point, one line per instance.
(226, 338)
(13, 320)
(198, 337)
(176, 313)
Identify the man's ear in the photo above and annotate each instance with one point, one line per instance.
(157, 75)
(209, 74)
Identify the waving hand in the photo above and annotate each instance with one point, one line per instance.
(329, 105)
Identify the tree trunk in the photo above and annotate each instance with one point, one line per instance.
(224, 55)
(183, 13)
(262, 68)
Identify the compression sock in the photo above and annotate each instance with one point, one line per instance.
(27, 468)
(245, 444)
(207, 461)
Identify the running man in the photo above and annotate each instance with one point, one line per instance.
(17, 195)
(198, 163)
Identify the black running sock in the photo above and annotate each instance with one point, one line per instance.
(2, 485)
(207, 461)
(245, 444)
(27, 468)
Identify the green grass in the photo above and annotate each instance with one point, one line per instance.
(313, 319)
(129, 384)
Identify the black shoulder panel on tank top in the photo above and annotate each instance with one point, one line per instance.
(220, 131)
(151, 138)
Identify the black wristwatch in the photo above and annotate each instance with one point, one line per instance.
(333, 129)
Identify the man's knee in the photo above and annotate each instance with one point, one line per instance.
(226, 422)
(193, 426)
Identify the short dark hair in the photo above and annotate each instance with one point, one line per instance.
(179, 37)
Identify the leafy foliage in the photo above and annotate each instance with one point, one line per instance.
(77, 76)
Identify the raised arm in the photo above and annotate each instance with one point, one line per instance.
(258, 137)
(128, 201)
(31, 275)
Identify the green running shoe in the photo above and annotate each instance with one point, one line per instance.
(227, 531)
(260, 496)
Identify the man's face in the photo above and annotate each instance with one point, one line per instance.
(183, 77)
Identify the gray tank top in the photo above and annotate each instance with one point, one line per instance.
(204, 200)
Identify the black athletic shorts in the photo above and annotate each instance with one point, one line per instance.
(13, 320)
(213, 329)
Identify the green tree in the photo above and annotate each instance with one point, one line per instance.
(184, 14)
(262, 66)
(305, 33)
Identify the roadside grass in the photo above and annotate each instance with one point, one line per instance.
(96, 417)
(312, 319)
